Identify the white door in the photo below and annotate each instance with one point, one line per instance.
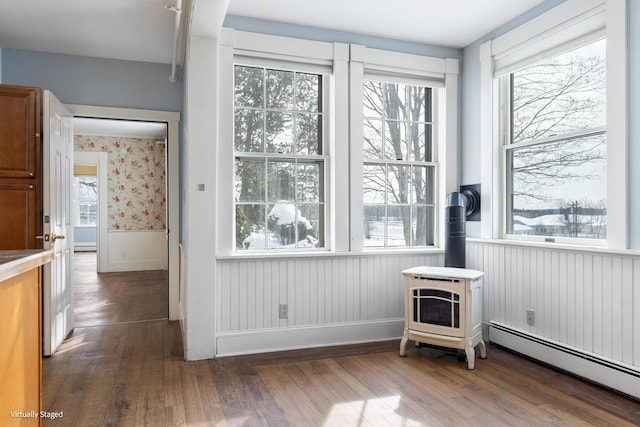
(57, 284)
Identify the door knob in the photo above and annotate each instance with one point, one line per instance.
(55, 237)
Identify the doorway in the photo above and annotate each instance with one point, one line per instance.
(120, 190)
(114, 254)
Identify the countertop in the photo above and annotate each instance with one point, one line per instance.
(14, 262)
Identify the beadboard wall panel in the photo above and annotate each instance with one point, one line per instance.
(318, 291)
(587, 300)
(137, 251)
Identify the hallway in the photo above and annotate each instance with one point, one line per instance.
(113, 298)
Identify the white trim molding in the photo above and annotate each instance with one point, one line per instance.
(100, 160)
(269, 340)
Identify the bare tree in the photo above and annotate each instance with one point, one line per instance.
(88, 186)
(584, 218)
(557, 97)
(395, 129)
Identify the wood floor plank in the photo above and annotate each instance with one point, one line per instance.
(191, 398)
(401, 378)
(211, 404)
(243, 393)
(290, 397)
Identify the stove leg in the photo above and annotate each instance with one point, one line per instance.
(403, 343)
(483, 349)
(471, 355)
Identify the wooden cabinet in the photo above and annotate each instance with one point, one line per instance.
(20, 337)
(18, 216)
(20, 167)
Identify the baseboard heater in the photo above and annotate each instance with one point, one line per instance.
(607, 372)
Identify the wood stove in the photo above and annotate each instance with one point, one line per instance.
(443, 307)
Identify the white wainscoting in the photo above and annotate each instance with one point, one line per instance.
(331, 300)
(586, 302)
(136, 250)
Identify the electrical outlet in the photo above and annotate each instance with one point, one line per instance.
(284, 311)
(531, 317)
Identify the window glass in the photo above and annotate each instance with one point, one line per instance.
(87, 187)
(279, 159)
(398, 169)
(556, 157)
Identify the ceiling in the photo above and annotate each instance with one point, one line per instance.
(142, 30)
(137, 30)
(450, 23)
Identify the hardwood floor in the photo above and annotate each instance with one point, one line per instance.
(108, 298)
(134, 374)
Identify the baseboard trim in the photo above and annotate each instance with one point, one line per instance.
(601, 370)
(270, 340)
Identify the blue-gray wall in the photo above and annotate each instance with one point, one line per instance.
(86, 235)
(94, 81)
(319, 34)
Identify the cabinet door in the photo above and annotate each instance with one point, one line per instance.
(20, 355)
(18, 215)
(20, 132)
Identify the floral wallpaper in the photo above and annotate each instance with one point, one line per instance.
(135, 180)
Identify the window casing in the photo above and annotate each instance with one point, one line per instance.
(399, 170)
(280, 160)
(555, 148)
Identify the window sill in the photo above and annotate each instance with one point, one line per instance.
(327, 254)
(557, 246)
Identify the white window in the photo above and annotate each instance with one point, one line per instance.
(553, 117)
(556, 151)
(87, 197)
(398, 170)
(293, 121)
(279, 159)
(403, 148)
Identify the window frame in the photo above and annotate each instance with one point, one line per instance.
(295, 158)
(507, 145)
(569, 25)
(387, 162)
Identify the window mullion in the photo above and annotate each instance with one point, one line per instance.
(600, 130)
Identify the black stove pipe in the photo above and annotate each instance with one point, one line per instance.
(455, 230)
